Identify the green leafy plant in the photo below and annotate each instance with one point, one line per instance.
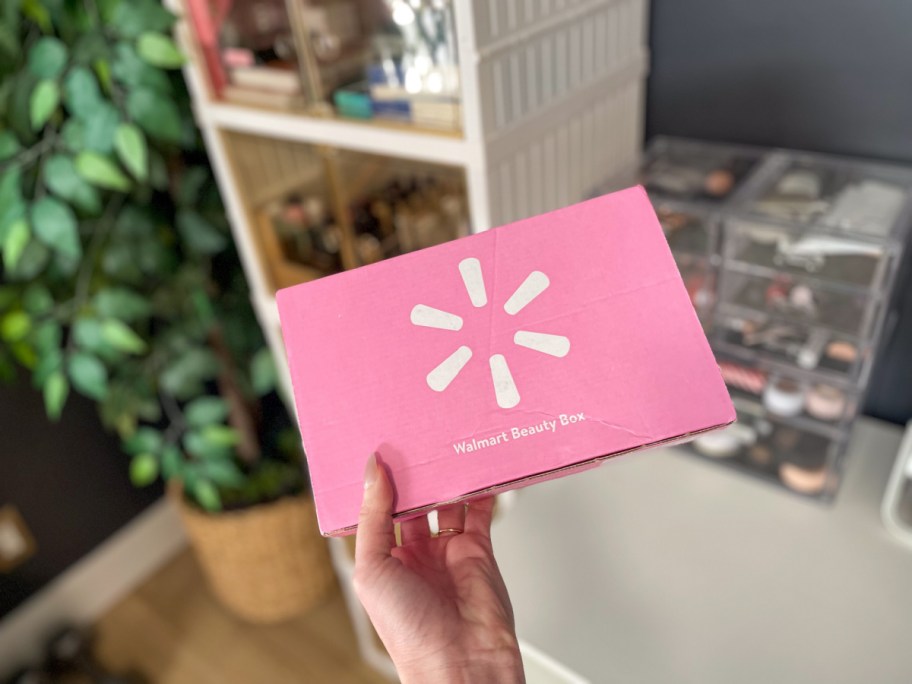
(120, 280)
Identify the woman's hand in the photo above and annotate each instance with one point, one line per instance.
(438, 603)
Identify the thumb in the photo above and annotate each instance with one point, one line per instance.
(375, 537)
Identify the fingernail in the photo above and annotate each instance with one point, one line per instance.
(370, 471)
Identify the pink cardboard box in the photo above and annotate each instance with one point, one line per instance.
(492, 362)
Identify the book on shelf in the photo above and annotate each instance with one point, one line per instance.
(206, 18)
(382, 91)
(247, 44)
(437, 114)
(278, 77)
(401, 111)
(263, 98)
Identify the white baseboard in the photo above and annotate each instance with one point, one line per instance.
(92, 585)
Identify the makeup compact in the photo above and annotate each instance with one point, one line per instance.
(726, 443)
(805, 468)
(825, 402)
(784, 397)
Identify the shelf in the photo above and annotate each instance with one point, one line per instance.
(754, 407)
(740, 311)
(386, 138)
(684, 170)
(687, 259)
(737, 353)
(741, 466)
(759, 270)
(831, 178)
(265, 305)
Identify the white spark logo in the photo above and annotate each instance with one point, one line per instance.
(504, 387)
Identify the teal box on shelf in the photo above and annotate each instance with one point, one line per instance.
(354, 101)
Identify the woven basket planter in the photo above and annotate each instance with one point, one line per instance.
(265, 564)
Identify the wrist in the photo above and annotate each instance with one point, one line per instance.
(502, 665)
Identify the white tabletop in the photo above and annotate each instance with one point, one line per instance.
(660, 567)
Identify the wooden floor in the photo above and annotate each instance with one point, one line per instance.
(171, 631)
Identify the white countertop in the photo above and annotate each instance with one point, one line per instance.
(660, 567)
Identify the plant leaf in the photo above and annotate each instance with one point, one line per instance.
(88, 336)
(81, 93)
(131, 147)
(222, 471)
(47, 336)
(130, 70)
(205, 411)
(221, 435)
(9, 41)
(206, 495)
(43, 103)
(88, 375)
(145, 439)
(37, 299)
(24, 353)
(122, 337)
(61, 178)
(33, 260)
(12, 208)
(263, 374)
(156, 115)
(143, 470)
(186, 374)
(15, 325)
(190, 183)
(55, 225)
(171, 462)
(17, 237)
(119, 302)
(19, 104)
(195, 443)
(102, 70)
(34, 10)
(101, 171)
(49, 362)
(64, 264)
(198, 234)
(73, 135)
(56, 390)
(132, 17)
(9, 145)
(159, 50)
(100, 127)
(47, 57)
(87, 48)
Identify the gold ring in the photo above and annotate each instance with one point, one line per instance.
(448, 530)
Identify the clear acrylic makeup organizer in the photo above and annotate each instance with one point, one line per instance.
(802, 254)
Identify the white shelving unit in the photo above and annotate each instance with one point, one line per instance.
(552, 101)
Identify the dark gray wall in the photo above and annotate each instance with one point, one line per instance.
(826, 75)
(68, 480)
